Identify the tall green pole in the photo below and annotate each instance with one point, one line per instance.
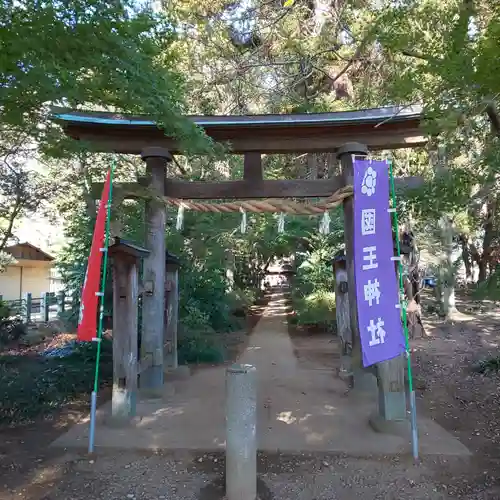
(413, 402)
(98, 339)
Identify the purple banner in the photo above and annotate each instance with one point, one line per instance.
(377, 291)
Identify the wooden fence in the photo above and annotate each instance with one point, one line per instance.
(40, 309)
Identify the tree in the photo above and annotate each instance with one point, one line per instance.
(88, 53)
(81, 54)
(23, 190)
(444, 55)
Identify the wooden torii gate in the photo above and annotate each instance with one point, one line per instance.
(347, 134)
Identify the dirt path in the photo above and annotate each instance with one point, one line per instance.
(462, 401)
(270, 348)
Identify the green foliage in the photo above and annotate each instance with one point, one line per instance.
(11, 325)
(72, 261)
(5, 260)
(34, 386)
(195, 346)
(89, 53)
(203, 299)
(488, 366)
(316, 309)
(267, 57)
(490, 288)
(241, 300)
(216, 57)
(84, 54)
(313, 298)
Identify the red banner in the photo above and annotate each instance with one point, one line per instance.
(87, 322)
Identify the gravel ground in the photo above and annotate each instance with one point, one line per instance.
(189, 477)
(465, 403)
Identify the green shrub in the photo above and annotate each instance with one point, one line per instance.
(205, 291)
(490, 365)
(199, 347)
(316, 309)
(490, 288)
(240, 300)
(194, 319)
(11, 324)
(34, 386)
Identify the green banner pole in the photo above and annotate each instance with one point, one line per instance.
(98, 339)
(413, 401)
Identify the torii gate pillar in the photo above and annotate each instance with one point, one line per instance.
(387, 376)
(362, 379)
(153, 301)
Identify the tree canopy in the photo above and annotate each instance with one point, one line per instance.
(218, 57)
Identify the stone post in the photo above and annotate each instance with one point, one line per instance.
(153, 300)
(171, 311)
(61, 302)
(241, 433)
(28, 301)
(45, 307)
(362, 379)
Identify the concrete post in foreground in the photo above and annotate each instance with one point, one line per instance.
(153, 300)
(362, 379)
(241, 432)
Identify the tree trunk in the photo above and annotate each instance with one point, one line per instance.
(447, 270)
(342, 310)
(230, 270)
(483, 259)
(466, 257)
(483, 271)
(84, 174)
(489, 233)
(413, 309)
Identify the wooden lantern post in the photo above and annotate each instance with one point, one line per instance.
(342, 313)
(125, 258)
(171, 317)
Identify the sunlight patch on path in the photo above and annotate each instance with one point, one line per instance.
(270, 348)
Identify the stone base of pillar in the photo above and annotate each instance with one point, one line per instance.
(123, 403)
(363, 381)
(121, 422)
(182, 372)
(345, 370)
(151, 379)
(392, 405)
(399, 427)
(391, 394)
(151, 393)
